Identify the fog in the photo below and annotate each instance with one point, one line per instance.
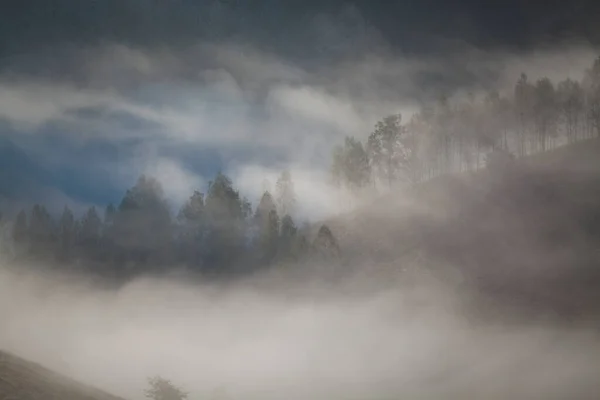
(268, 339)
(100, 113)
(113, 111)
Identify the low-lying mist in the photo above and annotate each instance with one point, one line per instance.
(179, 92)
(265, 339)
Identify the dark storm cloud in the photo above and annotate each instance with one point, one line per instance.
(289, 27)
(59, 39)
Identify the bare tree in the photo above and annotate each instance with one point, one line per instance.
(571, 102)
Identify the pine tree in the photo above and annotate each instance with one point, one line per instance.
(41, 231)
(90, 231)
(325, 243)
(225, 217)
(20, 230)
(143, 226)
(67, 234)
(191, 219)
(267, 223)
(288, 238)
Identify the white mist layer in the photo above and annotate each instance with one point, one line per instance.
(257, 344)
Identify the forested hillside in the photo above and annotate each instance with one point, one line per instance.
(461, 133)
(439, 152)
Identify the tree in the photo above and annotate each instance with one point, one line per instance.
(496, 122)
(192, 226)
(592, 95)
(20, 229)
(109, 215)
(415, 164)
(285, 196)
(570, 98)
(67, 234)
(444, 121)
(90, 230)
(325, 243)
(267, 223)
(288, 238)
(91, 227)
(163, 389)
(545, 111)
(387, 149)
(351, 166)
(524, 106)
(225, 218)
(424, 154)
(142, 225)
(246, 208)
(41, 231)
(193, 209)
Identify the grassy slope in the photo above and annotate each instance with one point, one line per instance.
(24, 380)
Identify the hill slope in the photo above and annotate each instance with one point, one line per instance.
(527, 236)
(24, 380)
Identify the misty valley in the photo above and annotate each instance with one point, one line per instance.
(342, 201)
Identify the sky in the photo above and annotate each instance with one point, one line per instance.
(96, 93)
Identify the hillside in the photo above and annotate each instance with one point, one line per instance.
(525, 237)
(24, 380)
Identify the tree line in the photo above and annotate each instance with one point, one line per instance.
(214, 233)
(455, 135)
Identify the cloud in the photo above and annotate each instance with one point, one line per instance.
(177, 181)
(316, 105)
(316, 198)
(322, 343)
(247, 106)
(30, 105)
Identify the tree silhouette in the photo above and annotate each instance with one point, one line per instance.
(387, 149)
(225, 216)
(267, 223)
(67, 231)
(163, 389)
(351, 166)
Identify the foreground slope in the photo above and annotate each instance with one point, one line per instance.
(24, 380)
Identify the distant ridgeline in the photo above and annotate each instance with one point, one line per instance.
(214, 234)
(455, 135)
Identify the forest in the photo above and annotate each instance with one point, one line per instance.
(466, 133)
(213, 234)
(220, 233)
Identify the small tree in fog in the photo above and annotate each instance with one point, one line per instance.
(325, 243)
(163, 389)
